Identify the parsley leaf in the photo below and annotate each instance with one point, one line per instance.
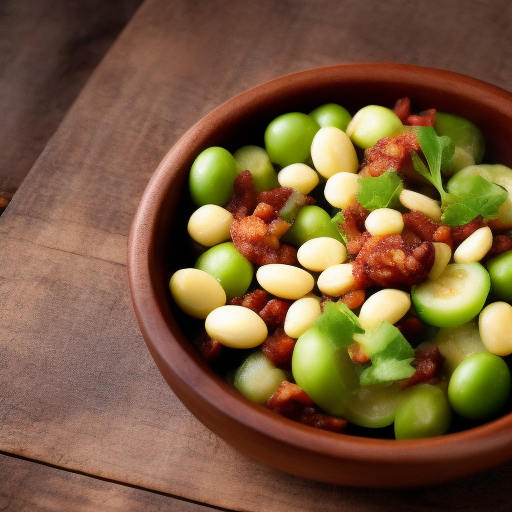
(379, 192)
(436, 150)
(337, 220)
(476, 197)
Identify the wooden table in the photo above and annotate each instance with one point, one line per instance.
(86, 421)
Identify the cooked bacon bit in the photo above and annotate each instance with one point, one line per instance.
(274, 312)
(312, 417)
(354, 219)
(255, 241)
(429, 365)
(390, 153)
(354, 299)
(357, 243)
(243, 201)
(460, 233)
(276, 197)
(292, 402)
(209, 348)
(402, 109)
(443, 234)
(420, 224)
(287, 254)
(500, 243)
(265, 212)
(410, 237)
(410, 328)
(278, 347)
(357, 354)
(426, 228)
(426, 118)
(288, 398)
(388, 261)
(254, 300)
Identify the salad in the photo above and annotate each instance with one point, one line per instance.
(354, 272)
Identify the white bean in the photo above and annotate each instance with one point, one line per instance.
(424, 204)
(210, 225)
(387, 305)
(298, 176)
(443, 255)
(495, 326)
(340, 189)
(320, 253)
(336, 280)
(285, 281)
(301, 315)
(236, 327)
(475, 247)
(332, 151)
(384, 221)
(196, 292)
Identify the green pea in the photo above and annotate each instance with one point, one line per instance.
(373, 406)
(229, 267)
(423, 412)
(257, 161)
(500, 271)
(479, 386)
(324, 371)
(465, 136)
(311, 222)
(211, 177)
(257, 378)
(288, 138)
(331, 114)
(372, 123)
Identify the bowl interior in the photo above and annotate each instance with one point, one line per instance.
(157, 247)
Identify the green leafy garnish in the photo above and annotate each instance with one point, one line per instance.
(337, 220)
(477, 197)
(436, 151)
(338, 323)
(379, 192)
(390, 353)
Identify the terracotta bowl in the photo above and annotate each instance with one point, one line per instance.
(156, 247)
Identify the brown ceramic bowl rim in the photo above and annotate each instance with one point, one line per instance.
(207, 396)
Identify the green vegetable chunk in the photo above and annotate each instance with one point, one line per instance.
(455, 297)
(423, 412)
(229, 267)
(321, 365)
(466, 138)
(211, 177)
(390, 353)
(311, 222)
(256, 160)
(373, 406)
(288, 138)
(479, 387)
(380, 192)
(331, 114)
(457, 343)
(257, 378)
(500, 270)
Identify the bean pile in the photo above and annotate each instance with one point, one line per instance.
(355, 272)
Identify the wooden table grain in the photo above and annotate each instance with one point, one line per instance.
(86, 421)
